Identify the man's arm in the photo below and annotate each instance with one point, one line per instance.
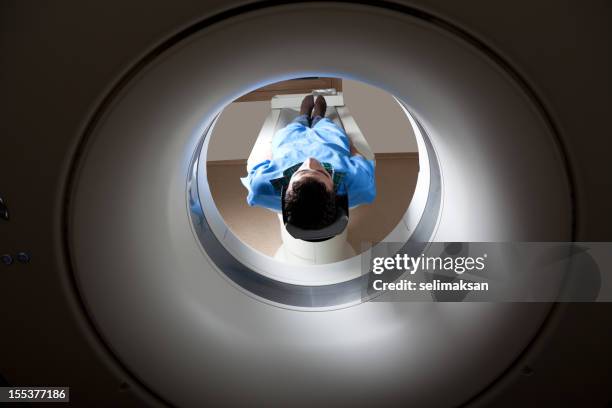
(261, 190)
(361, 183)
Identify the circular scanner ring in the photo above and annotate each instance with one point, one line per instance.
(174, 322)
(232, 256)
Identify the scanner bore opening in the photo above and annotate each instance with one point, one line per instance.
(375, 124)
(323, 286)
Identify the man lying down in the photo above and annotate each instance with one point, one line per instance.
(313, 160)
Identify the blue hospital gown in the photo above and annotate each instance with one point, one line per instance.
(292, 145)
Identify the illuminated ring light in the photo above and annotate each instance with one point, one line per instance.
(186, 332)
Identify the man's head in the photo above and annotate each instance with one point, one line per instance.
(310, 200)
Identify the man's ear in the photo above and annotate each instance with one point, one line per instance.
(342, 203)
(283, 209)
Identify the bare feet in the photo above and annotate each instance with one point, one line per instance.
(320, 106)
(307, 104)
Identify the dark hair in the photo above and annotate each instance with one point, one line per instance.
(310, 205)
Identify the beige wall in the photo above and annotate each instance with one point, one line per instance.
(380, 118)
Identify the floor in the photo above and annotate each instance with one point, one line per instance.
(396, 176)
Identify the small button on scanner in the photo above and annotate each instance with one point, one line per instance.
(4, 214)
(6, 259)
(23, 257)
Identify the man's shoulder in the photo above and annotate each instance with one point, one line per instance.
(360, 173)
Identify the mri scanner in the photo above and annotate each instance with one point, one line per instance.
(133, 292)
